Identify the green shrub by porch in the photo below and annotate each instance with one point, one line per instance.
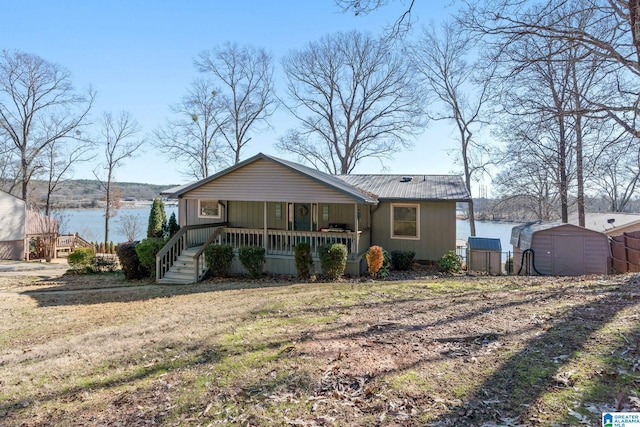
(253, 259)
(333, 259)
(129, 262)
(304, 261)
(80, 259)
(147, 251)
(219, 259)
(402, 260)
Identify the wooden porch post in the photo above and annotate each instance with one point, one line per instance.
(355, 214)
(264, 232)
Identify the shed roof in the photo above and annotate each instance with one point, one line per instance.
(522, 235)
(485, 244)
(411, 187)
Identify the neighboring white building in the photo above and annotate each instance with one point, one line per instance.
(13, 229)
(609, 223)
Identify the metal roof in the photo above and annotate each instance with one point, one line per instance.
(485, 244)
(411, 187)
(363, 188)
(522, 235)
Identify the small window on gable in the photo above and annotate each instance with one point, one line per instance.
(209, 209)
(405, 221)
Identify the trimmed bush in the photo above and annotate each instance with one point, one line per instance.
(402, 260)
(450, 263)
(253, 259)
(333, 259)
(81, 259)
(129, 262)
(219, 259)
(375, 259)
(147, 250)
(304, 261)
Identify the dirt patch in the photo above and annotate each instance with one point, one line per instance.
(440, 351)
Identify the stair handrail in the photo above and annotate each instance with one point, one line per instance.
(174, 244)
(196, 256)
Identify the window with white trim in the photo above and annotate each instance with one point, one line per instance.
(209, 209)
(405, 221)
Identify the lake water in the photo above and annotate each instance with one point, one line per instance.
(89, 224)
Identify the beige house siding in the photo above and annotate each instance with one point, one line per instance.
(263, 180)
(437, 230)
(12, 227)
(13, 215)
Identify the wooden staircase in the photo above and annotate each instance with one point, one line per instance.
(182, 270)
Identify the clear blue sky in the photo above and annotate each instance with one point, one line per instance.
(138, 55)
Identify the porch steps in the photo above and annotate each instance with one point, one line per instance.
(183, 269)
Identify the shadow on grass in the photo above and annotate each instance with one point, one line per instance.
(76, 289)
(513, 392)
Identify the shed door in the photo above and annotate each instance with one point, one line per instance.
(568, 255)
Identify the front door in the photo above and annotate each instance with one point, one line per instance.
(302, 217)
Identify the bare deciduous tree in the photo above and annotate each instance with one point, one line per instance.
(38, 105)
(194, 136)
(245, 77)
(354, 97)
(61, 156)
(364, 7)
(119, 140)
(131, 226)
(440, 57)
(618, 177)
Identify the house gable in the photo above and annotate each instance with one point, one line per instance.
(263, 179)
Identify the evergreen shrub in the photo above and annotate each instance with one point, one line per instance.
(450, 263)
(147, 251)
(80, 259)
(253, 259)
(304, 260)
(402, 260)
(333, 259)
(129, 262)
(219, 259)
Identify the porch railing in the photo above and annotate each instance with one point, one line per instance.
(187, 237)
(282, 242)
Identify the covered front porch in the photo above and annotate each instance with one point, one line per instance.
(182, 260)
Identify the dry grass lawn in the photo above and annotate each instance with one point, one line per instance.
(460, 351)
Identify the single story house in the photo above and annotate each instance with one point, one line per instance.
(275, 203)
(559, 249)
(609, 223)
